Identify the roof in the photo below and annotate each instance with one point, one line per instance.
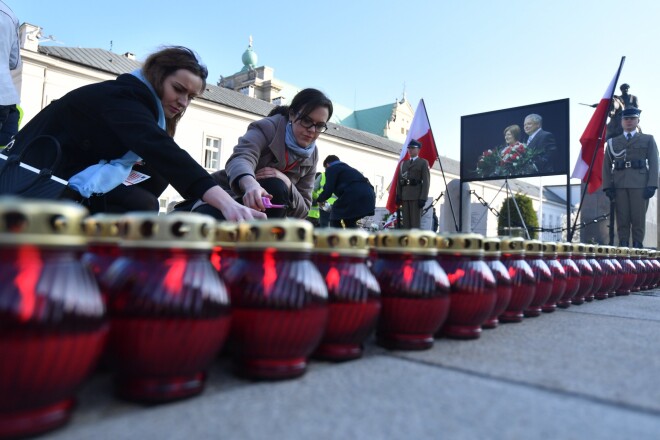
(372, 119)
(98, 59)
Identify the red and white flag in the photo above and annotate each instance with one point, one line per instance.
(593, 141)
(420, 130)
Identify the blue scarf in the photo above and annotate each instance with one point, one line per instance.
(294, 147)
(107, 175)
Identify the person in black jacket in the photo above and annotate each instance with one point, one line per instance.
(355, 195)
(109, 129)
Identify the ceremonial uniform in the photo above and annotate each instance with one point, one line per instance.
(630, 175)
(412, 190)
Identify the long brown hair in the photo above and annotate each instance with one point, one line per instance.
(159, 65)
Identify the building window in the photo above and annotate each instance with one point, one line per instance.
(211, 153)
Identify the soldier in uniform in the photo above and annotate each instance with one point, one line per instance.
(412, 188)
(630, 177)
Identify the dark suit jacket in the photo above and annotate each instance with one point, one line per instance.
(104, 121)
(550, 158)
(355, 195)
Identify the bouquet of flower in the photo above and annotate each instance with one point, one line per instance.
(512, 160)
(488, 163)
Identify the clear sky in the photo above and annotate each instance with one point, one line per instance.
(461, 57)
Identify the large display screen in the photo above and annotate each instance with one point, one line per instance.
(527, 141)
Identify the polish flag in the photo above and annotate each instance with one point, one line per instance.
(420, 130)
(589, 166)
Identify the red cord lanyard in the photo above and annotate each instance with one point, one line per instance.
(286, 159)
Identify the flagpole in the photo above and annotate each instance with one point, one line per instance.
(451, 206)
(593, 157)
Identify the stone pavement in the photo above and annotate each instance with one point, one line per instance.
(587, 372)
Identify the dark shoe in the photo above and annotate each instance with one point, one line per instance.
(638, 245)
(623, 243)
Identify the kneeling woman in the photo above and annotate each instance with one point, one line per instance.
(108, 129)
(276, 158)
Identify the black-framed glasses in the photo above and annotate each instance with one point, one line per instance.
(306, 122)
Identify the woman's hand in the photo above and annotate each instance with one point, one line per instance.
(267, 172)
(252, 193)
(230, 208)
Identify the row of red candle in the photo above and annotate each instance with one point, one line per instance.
(169, 311)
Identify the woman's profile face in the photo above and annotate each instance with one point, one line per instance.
(305, 136)
(178, 91)
(508, 137)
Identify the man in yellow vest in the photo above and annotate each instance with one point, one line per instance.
(324, 211)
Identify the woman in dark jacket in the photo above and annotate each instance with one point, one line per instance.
(106, 130)
(355, 195)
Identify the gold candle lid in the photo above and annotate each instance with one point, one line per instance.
(564, 249)
(591, 250)
(41, 222)
(465, 244)
(579, 249)
(652, 253)
(283, 234)
(492, 246)
(102, 228)
(178, 230)
(349, 242)
(534, 248)
(620, 251)
(226, 234)
(415, 241)
(513, 245)
(371, 240)
(550, 248)
(602, 251)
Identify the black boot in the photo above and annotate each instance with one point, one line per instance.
(623, 243)
(638, 245)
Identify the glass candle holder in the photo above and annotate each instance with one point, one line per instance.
(523, 281)
(618, 269)
(492, 255)
(52, 318)
(648, 269)
(655, 268)
(224, 246)
(609, 273)
(473, 290)
(414, 289)
(598, 272)
(640, 270)
(542, 275)
(102, 231)
(279, 299)
(629, 271)
(558, 274)
(168, 308)
(564, 254)
(579, 255)
(340, 255)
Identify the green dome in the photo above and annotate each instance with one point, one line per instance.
(249, 57)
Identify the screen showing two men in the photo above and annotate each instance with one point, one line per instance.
(527, 141)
